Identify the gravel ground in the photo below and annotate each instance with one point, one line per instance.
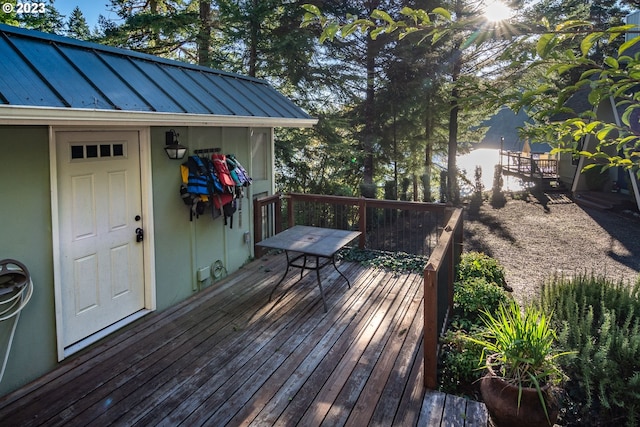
(536, 238)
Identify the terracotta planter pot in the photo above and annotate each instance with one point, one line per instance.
(501, 399)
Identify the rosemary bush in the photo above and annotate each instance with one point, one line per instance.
(600, 320)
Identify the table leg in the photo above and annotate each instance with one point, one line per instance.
(283, 276)
(304, 266)
(324, 302)
(333, 261)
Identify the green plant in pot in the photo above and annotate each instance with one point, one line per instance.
(520, 386)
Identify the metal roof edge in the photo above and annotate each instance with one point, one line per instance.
(21, 115)
(39, 35)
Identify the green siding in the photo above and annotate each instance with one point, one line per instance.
(25, 230)
(181, 246)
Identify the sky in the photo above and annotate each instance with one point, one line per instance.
(91, 9)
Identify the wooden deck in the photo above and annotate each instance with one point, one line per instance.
(228, 357)
(529, 168)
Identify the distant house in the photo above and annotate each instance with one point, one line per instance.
(616, 179)
(90, 201)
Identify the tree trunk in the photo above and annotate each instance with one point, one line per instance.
(155, 9)
(426, 177)
(369, 113)
(452, 172)
(204, 34)
(453, 194)
(253, 38)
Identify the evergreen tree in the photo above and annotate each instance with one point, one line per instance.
(77, 26)
(51, 21)
(159, 27)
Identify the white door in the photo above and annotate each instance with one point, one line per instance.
(99, 205)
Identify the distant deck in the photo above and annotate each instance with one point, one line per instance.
(529, 167)
(228, 357)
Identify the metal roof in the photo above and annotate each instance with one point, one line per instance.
(40, 70)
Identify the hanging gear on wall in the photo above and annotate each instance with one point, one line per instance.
(220, 163)
(237, 171)
(16, 289)
(209, 182)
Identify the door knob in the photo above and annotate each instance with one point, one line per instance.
(139, 235)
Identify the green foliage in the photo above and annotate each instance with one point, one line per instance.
(399, 262)
(581, 74)
(77, 26)
(473, 295)
(599, 320)
(460, 366)
(521, 344)
(478, 264)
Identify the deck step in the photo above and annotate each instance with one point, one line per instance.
(593, 201)
(441, 409)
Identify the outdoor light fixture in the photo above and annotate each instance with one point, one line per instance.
(174, 150)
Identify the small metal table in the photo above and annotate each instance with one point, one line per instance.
(312, 242)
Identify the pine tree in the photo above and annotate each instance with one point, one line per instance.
(77, 26)
(51, 21)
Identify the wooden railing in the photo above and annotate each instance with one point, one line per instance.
(439, 276)
(528, 166)
(386, 225)
(429, 229)
(267, 219)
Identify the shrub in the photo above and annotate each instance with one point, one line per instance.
(477, 264)
(599, 320)
(399, 262)
(473, 295)
(460, 367)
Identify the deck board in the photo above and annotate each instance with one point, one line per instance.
(227, 356)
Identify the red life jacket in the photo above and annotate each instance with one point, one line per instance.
(220, 164)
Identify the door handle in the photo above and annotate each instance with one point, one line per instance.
(139, 235)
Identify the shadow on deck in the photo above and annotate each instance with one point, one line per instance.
(228, 357)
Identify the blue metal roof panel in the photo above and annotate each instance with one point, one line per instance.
(229, 97)
(75, 91)
(19, 83)
(188, 80)
(153, 94)
(280, 104)
(187, 101)
(39, 69)
(248, 89)
(115, 89)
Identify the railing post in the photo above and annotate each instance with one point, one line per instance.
(291, 220)
(278, 214)
(430, 327)
(531, 166)
(362, 222)
(257, 227)
(451, 271)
